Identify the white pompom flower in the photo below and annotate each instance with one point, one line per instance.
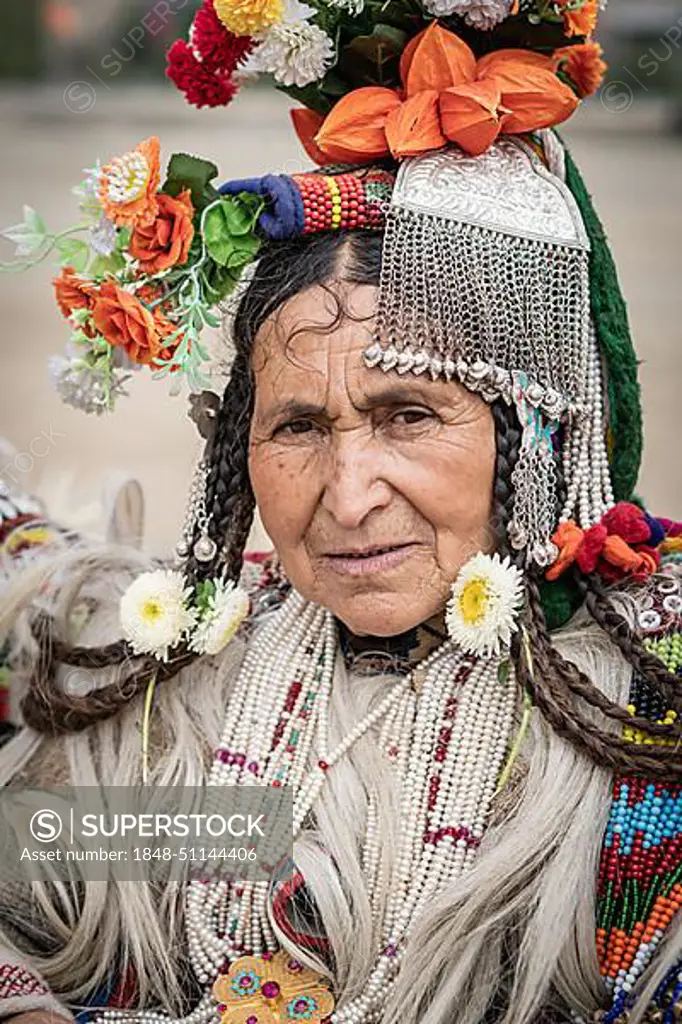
(486, 597)
(225, 608)
(298, 54)
(481, 14)
(155, 613)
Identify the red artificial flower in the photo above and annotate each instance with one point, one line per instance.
(213, 44)
(201, 87)
(73, 292)
(619, 545)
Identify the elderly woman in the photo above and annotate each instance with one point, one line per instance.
(460, 660)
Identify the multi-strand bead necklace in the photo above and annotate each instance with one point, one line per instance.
(447, 745)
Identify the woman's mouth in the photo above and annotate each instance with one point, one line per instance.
(377, 559)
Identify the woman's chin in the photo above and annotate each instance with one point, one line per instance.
(371, 615)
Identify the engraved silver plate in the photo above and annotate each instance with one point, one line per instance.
(507, 189)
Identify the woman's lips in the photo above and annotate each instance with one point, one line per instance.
(355, 566)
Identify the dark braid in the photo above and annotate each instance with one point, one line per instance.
(647, 665)
(507, 445)
(546, 679)
(47, 707)
(284, 270)
(553, 682)
(230, 503)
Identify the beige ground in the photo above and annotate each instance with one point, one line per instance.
(631, 167)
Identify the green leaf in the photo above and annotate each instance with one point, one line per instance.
(503, 672)
(211, 319)
(185, 171)
(242, 212)
(25, 238)
(34, 222)
(228, 227)
(73, 252)
(373, 59)
(199, 349)
(218, 283)
(334, 85)
(101, 266)
(309, 96)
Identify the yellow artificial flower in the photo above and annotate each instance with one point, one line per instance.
(249, 17)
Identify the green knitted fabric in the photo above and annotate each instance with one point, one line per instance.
(610, 314)
(561, 599)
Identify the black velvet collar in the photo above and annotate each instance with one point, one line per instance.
(370, 654)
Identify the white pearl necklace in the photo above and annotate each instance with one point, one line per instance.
(447, 746)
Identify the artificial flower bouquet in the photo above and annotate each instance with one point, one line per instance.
(142, 272)
(354, 66)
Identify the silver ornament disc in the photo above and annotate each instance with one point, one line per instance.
(182, 549)
(205, 549)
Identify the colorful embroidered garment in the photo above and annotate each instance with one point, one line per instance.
(640, 877)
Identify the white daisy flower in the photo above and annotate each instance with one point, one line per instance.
(227, 607)
(154, 612)
(298, 54)
(485, 600)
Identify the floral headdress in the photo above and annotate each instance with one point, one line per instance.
(462, 92)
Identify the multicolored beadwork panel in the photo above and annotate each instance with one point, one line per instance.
(640, 878)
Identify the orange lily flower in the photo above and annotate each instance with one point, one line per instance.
(447, 95)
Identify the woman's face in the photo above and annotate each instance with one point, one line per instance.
(345, 460)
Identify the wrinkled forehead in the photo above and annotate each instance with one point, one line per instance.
(317, 324)
(311, 350)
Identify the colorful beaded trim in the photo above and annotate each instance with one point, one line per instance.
(640, 876)
(343, 201)
(17, 981)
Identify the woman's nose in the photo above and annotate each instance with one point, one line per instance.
(354, 484)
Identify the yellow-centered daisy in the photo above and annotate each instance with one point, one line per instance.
(484, 604)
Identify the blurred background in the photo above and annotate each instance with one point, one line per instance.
(81, 80)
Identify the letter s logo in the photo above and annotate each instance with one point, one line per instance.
(46, 826)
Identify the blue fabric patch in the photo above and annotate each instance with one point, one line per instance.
(283, 216)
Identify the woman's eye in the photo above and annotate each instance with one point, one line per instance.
(295, 427)
(407, 417)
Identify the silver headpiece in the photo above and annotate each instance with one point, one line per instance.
(485, 280)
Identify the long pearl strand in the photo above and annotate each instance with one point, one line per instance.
(446, 745)
(589, 493)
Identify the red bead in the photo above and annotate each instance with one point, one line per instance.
(323, 765)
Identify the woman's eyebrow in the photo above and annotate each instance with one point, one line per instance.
(387, 396)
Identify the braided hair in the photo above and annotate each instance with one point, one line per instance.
(562, 693)
(556, 685)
